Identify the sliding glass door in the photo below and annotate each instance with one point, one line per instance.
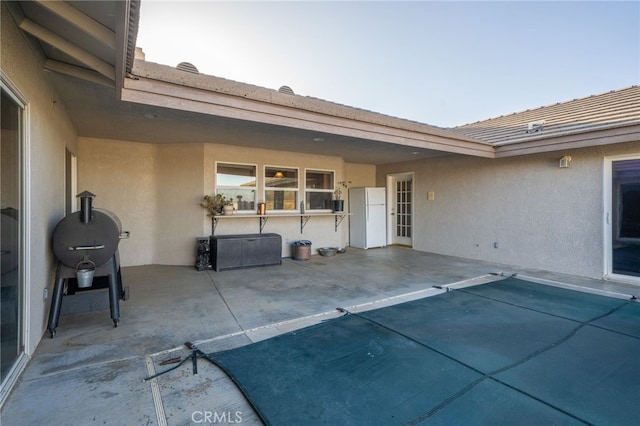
(625, 217)
(11, 280)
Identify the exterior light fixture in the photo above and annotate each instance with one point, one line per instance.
(565, 162)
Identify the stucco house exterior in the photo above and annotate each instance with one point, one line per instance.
(555, 188)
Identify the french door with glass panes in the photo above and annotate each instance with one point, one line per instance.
(400, 193)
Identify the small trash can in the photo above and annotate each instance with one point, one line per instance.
(302, 250)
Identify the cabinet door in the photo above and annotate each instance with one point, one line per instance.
(261, 251)
(228, 254)
(254, 251)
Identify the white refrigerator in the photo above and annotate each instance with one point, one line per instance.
(368, 220)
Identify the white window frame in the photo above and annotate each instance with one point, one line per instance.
(328, 190)
(607, 219)
(233, 187)
(295, 190)
(25, 234)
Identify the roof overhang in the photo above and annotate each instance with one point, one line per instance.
(90, 46)
(88, 40)
(605, 136)
(166, 87)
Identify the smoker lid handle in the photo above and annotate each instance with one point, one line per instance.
(101, 246)
(124, 235)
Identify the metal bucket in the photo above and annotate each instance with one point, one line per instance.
(302, 250)
(85, 271)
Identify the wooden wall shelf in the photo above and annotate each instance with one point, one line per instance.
(262, 218)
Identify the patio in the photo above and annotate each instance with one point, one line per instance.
(92, 373)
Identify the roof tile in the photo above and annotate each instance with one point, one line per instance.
(616, 108)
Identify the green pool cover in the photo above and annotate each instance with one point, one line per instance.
(510, 352)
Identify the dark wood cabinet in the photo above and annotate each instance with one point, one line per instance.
(245, 250)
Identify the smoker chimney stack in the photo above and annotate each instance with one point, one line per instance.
(86, 209)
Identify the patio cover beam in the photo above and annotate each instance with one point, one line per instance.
(78, 72)
(70, 49)
(78, 19)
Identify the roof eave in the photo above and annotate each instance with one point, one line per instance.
(128, 15)
(166, 87)
(588, 138)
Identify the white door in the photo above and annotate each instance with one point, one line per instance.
(622, 218)
(400, 202)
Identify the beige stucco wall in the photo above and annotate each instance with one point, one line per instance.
(539, 215)
(155, 190)
(49, 132)
(179, 189)
(360, 175)
(123, 177)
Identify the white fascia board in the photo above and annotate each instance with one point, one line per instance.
(623, 134)
(185, 98)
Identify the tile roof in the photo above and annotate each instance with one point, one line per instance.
(616, 108)
(611, 110)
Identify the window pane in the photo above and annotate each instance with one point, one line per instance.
(319, 200)
(281, 200)
(319, 180)
(236, 175)
(630, 207)
(280, 178)
(243, 199)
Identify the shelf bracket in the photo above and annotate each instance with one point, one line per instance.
(263, 221)
(339, 219)
(303, 221)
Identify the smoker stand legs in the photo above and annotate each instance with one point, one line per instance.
(114, 305)
(115, 293)
(56, 304)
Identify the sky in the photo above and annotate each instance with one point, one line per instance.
(444, 63)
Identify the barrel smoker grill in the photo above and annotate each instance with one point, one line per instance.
(86, 246)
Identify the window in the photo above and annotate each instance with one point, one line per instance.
(281, 188)
(237, 182)
(318, 189)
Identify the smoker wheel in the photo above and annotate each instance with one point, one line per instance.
(115, 323)
(52, 333)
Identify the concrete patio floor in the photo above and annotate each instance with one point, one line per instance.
(92, 373)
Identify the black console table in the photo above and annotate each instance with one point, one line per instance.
(245, 250)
